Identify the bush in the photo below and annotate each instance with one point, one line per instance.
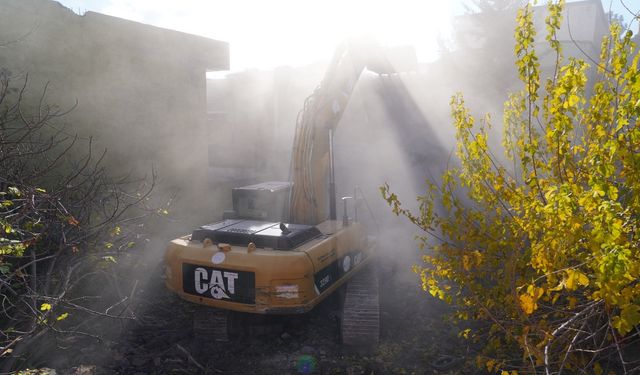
(548, 252)
(62, 222)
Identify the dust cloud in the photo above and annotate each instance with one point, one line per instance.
(143, 95)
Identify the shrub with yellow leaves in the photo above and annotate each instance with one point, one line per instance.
(548, 253)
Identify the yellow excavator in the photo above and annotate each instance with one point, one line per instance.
(281, 251)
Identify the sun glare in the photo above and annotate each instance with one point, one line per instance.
(301, 32)
(267, 34)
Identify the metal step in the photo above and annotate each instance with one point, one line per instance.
(360, 327)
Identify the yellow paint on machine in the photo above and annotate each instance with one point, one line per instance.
(284, 280)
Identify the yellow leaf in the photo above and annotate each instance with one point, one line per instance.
(528, 304)
(109, 258)
(478, 257)
(537, 292)
(583, 279)
(115, 231)
(557, 287)
(628, 319)
(597, 369)
(15, 191)
(573, 301)
(465, 333)
(45, 307)
(575, 278)
(62, 317)
(466, 263)
(490, 365)
(573, 100)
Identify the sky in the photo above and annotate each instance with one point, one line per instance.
(266, 34)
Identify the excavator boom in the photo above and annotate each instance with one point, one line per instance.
(312, 157)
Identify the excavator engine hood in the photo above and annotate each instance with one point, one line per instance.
(277, 236)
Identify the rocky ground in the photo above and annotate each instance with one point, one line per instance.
(415, 339)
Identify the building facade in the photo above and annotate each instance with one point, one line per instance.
(139, 91)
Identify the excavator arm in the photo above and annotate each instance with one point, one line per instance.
(312, 156)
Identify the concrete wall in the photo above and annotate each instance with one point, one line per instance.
(141, 90)
(259, 110)
(584, 24)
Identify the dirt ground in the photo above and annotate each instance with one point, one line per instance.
(415, 338)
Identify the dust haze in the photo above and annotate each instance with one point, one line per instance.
(142, 93)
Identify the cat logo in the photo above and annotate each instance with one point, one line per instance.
(215, 282)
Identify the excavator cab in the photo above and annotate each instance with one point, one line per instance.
(264, 201)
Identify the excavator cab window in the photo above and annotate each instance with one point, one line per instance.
(265, 201)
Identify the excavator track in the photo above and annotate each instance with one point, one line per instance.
(210, 324)
(360, 326)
